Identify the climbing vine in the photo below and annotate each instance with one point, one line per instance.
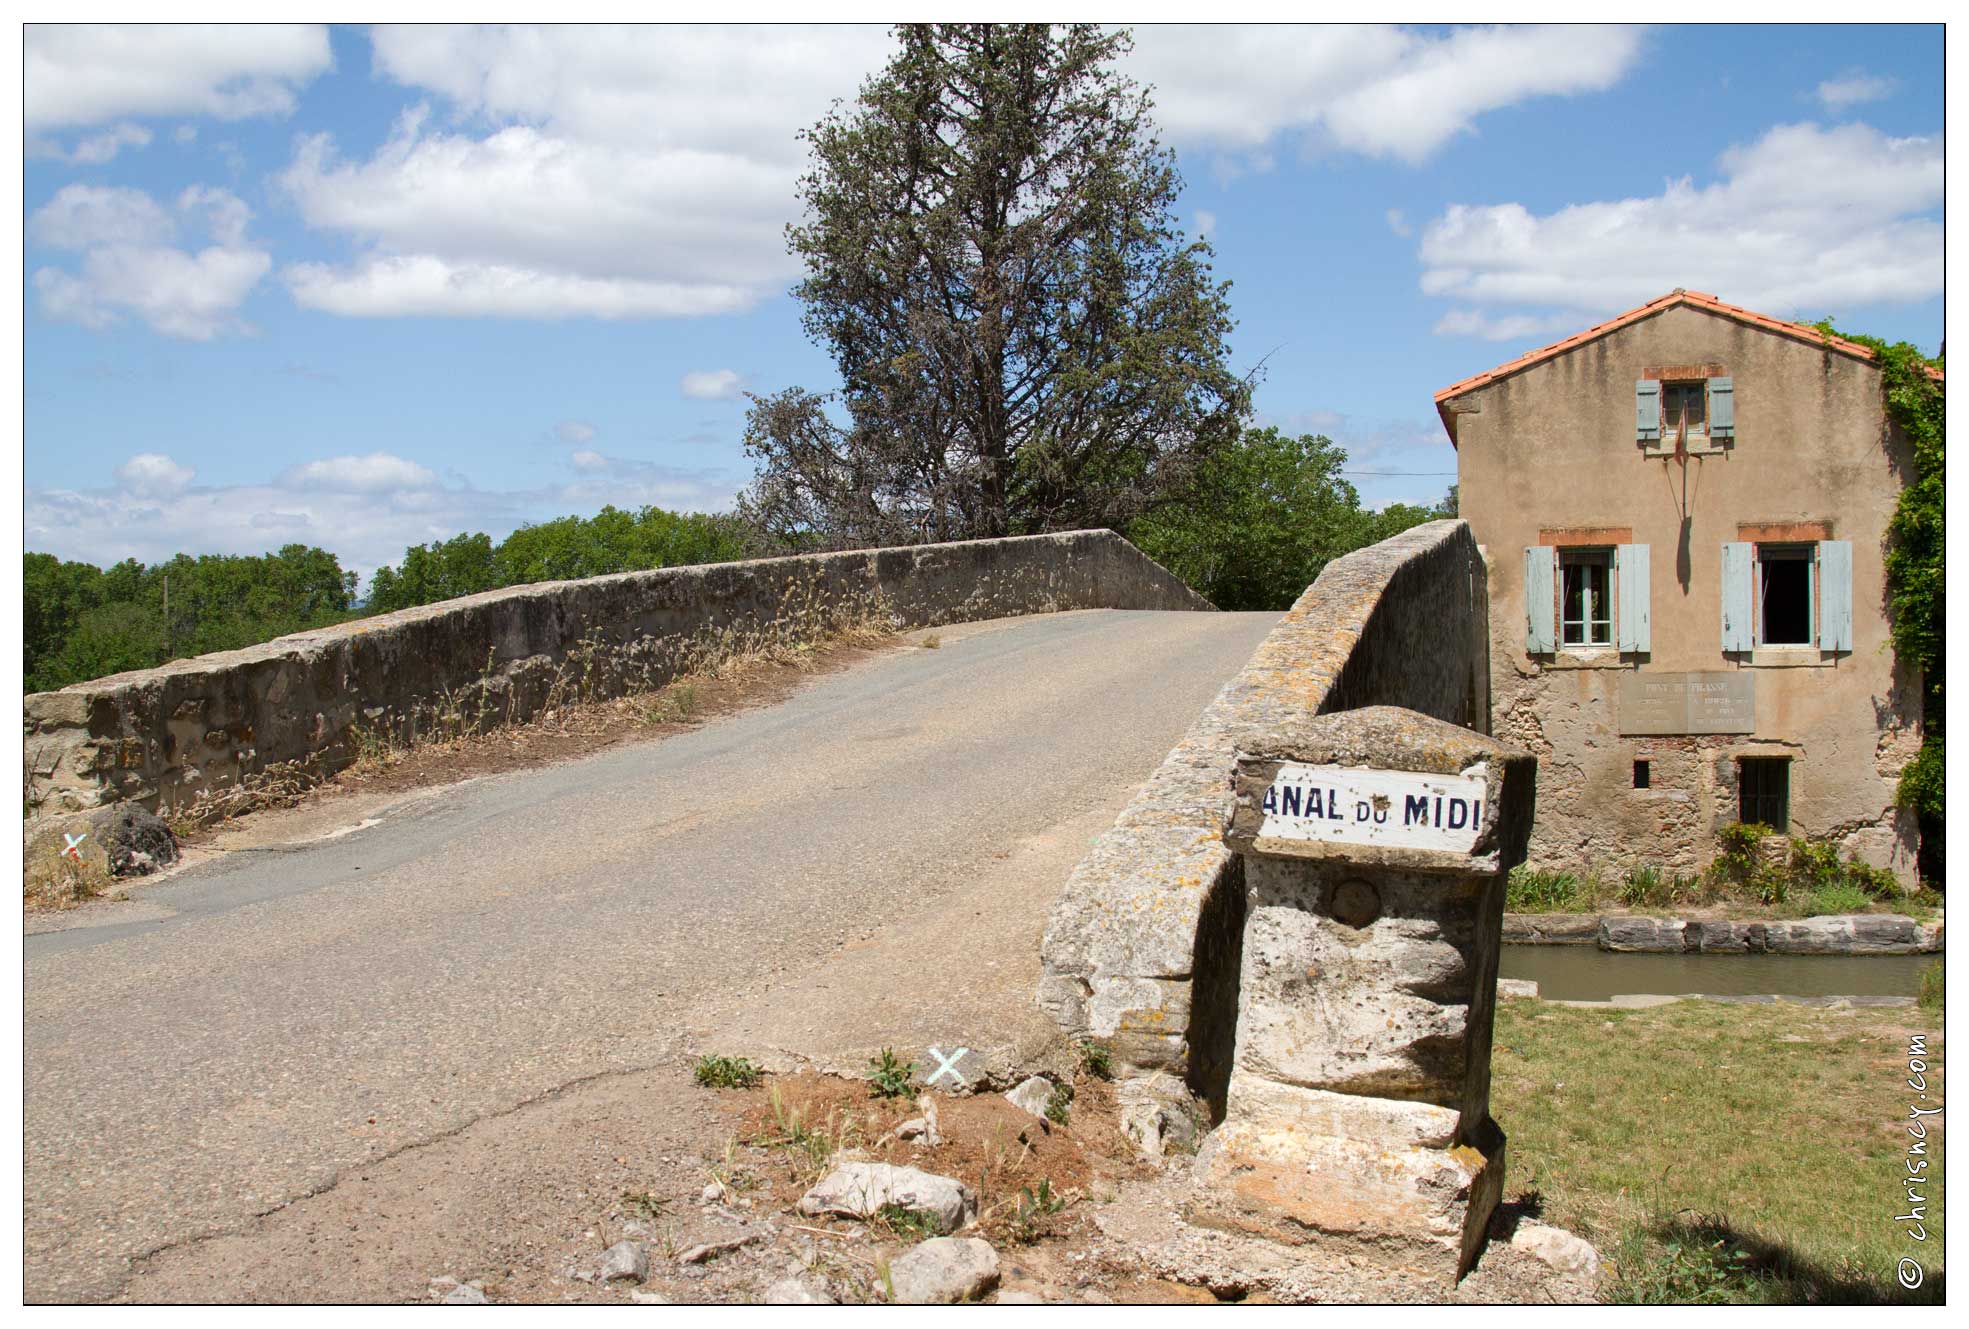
(1915, 404)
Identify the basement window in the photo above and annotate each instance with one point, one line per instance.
(1641, 773)
(1764, 791)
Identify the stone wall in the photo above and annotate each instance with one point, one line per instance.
(1143, 947)
(161, 737)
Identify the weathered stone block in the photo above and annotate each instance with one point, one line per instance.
(1421, 1211)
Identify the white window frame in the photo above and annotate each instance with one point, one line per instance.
(1602, 557)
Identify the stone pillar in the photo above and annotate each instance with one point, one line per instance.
(1375, 845)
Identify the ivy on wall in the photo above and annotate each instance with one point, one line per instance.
(1911, 384)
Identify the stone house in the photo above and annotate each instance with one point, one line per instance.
(1683, 513)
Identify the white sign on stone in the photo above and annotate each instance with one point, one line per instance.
(1352, 805)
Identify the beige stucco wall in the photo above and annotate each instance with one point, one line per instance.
(1553, 447)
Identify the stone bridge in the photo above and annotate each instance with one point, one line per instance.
(870, 863)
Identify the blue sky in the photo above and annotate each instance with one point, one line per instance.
(364, 289)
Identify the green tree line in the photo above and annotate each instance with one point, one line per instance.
(83, 622)
(80, 621)
(1251, 530)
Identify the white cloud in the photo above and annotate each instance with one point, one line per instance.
(574, 431)
(1854, 87)
(185, 135)
(587, 459)
(129, 266)
(156, 512)
(1805, 221)
(376, 473)
(90, 74)
(85, 216)
(711, 384)
(1398, 223)
(153, 475)
(1206, 222)
(1380, 91)
(636, 172)
(95, 149)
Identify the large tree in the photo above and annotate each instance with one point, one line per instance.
(1026, 339)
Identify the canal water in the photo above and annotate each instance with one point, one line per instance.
(1587, 973)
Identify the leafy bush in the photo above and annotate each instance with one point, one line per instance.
(1098, 1059)
(1535, 891)
(726, 1072)
(1058, 1104)
(1931, 987)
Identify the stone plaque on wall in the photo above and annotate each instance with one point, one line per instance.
(1723, 702)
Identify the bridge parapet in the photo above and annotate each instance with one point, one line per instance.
(1143, 947)
(162, 737)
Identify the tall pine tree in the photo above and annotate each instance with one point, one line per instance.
(1026, 340)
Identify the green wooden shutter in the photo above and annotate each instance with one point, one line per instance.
(1835, 595)
(1647, 409)
(1739, 569)
(1540, 637)
(1630, 572)
(1722, 408)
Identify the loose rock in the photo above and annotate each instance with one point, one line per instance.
(863, 1190)
(797, 1292)
(943, 1270)
(1558, 1248)
(625, 1259)
(464, 1295)
(1032, 1095)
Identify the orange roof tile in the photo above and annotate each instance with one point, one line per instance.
(1698, 299)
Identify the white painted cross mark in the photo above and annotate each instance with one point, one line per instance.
(946, 1064)
(74, 845)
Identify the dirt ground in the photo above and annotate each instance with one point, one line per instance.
(522, 1206)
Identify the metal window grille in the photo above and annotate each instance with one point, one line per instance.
(1764, 791)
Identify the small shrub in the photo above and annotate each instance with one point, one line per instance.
(1876, 883)
(1097, 1059)
(644, 1205)
(1535, 891)
(726, 1072)
(1643, 887)
(1059, 1104)
(1931, 987)
(1035, 1205)
(1770, 883)
(931, 642)
(1815, 864)
(887, 1077)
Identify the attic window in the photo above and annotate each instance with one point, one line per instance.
(1682, 409)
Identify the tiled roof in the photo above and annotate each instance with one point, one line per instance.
(1801, 331)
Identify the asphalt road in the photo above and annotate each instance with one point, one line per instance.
(244, 1034)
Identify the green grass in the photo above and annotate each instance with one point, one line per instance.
(714, 1072)
(1717, 1152)
(1931, 987)
(1532, 891)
